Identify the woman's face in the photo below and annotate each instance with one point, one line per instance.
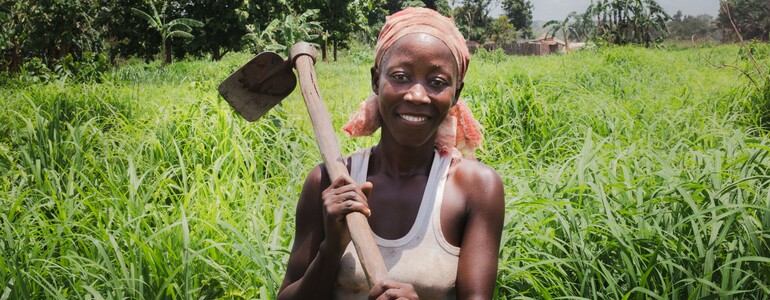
(417, 85)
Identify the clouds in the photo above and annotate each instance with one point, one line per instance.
(558, 9)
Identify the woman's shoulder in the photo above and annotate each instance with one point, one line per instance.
(471, 171)
(476, 178)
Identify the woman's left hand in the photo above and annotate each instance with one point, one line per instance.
(389, 289)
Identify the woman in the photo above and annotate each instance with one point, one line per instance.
(437, 217)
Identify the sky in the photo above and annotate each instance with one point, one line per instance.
(545, 10)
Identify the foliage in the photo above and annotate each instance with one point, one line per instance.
(503, 32)
(14, 31)
(88, 69)
(519, 13)
(628, 173)
(441, 6)
(35, 71)
(495, 56)
(280, 35)
(176, 28)
(224, 23)
(751, 17)
(125, 34)
(374, 12)
(565, 26)
(472, 18)
(340, 19)
(687, 27)
(583, 26)
(629, 21)
(48, 30)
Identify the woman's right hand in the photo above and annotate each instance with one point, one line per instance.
(390, 289)
(341, 198)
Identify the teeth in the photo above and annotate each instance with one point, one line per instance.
(413, 118)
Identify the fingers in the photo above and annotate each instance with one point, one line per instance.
(344, 197)
(389, 290)
(344, 207)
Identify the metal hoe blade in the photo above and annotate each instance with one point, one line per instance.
(259, 85)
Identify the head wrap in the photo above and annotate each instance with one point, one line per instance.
(459, 133)
(423, 20)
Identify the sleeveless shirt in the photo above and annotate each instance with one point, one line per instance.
(422, 258)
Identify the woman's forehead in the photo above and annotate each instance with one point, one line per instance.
(422, 46)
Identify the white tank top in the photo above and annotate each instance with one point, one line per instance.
(422, 257)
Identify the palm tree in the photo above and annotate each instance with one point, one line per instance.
(628, 21)
(282, 33)
(584, 26)
(180, 27)
(565, 26)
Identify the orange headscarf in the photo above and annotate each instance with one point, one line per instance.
(459, 133)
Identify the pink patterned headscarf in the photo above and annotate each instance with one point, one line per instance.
(459, 134)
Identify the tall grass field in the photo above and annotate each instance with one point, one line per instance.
(629, 174)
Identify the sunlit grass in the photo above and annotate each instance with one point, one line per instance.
(629, 173)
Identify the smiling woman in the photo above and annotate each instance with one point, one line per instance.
(437, 216)
(419, 71)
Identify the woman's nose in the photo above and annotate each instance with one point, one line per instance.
(417, 94)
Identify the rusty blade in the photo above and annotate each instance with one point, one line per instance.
(259, 85)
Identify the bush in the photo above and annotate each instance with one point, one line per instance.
(88, 69)
(494, 56)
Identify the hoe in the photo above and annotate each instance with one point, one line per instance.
(267, 79)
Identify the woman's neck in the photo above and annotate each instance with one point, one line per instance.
(393, 159)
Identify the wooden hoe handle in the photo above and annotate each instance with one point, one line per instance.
(302, 56)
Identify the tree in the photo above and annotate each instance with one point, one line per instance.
(14, 32)
(473, 19)
(685, 27)
(123, 33)
(224, 23)
(583, 26)
(519, 13)
(339, 18)
(628, 21)
(281, 34)
(751, 18)
(375, 11)
(565, 26)
(180, 27)
(503, 32)
(48, 30)
(441, 6)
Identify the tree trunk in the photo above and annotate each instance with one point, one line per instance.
(216, 55)
(335, 43)
(323, 51)
(566, 43)
(15, 65)
(166, 52)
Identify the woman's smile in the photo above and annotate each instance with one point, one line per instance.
(414, 118)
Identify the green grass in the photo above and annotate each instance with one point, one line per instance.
(630, 174)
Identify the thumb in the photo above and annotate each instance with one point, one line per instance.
(366, 187)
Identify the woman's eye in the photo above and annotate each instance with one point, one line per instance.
(438, 82)
(400, 77)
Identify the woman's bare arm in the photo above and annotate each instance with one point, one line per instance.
(310, 270)
(485, 208)
(321, 234)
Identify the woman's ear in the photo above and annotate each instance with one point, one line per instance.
(375, 80)
(459, 89)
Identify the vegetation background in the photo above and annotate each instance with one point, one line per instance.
(630, 172)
